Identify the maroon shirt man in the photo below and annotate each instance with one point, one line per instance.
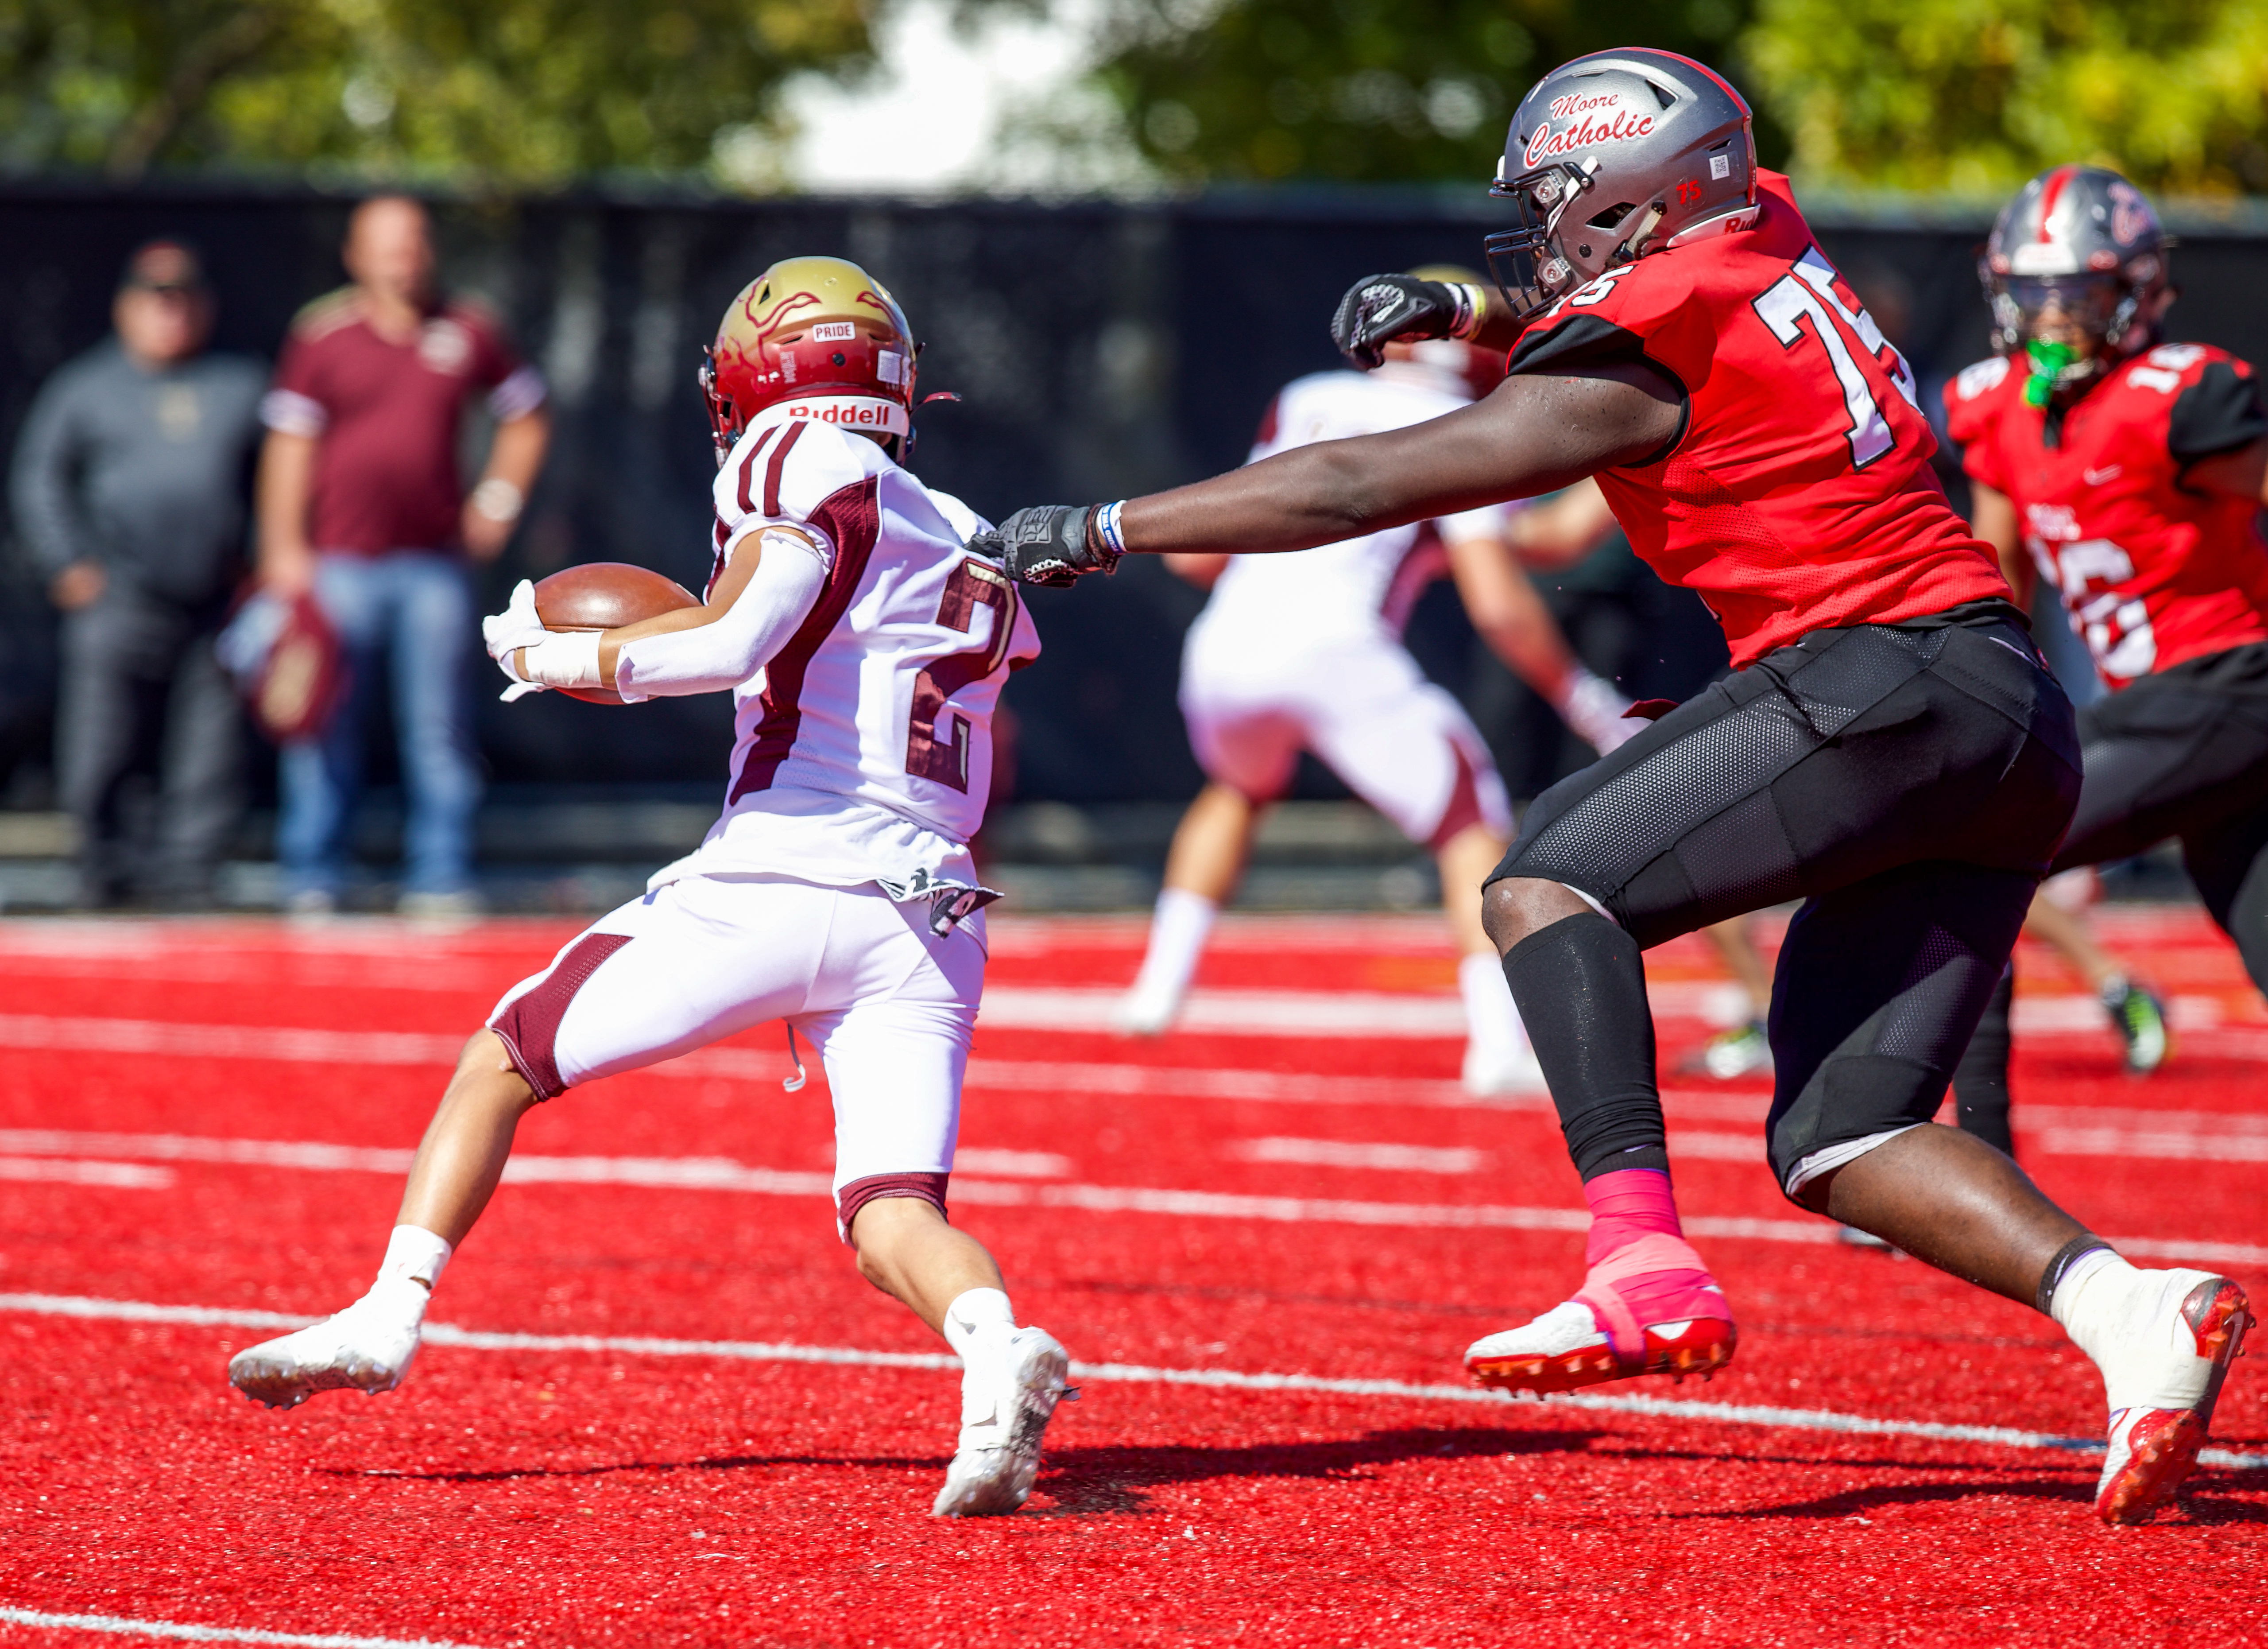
(361, 503)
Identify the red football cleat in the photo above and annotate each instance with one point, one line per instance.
(1596, 1337)
(2152, 1451)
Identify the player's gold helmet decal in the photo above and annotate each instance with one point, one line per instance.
(821, 334)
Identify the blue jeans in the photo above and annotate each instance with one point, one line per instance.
(415, 609)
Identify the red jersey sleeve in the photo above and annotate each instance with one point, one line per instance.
(1974, 402)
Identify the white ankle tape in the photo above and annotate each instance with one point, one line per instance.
(974, 1311)
(416, 1256)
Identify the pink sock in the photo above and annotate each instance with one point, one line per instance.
(1626, 1206)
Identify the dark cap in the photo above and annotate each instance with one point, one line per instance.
(163, 266)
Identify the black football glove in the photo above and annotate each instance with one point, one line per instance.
(1379, 308)
(1052, 544)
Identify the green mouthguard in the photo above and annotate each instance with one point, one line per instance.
(2049, 362)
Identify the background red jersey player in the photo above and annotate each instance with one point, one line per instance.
(2128, 472)
(1888, 748)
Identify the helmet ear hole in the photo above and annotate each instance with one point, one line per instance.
(1614, 215)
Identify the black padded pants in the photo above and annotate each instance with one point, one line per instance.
(2183, 753)
(1908, 783)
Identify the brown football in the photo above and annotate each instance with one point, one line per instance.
(606, 595)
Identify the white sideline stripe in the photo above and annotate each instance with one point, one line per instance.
(1236, 1012)
(2072, 1130)
(120, 1624)
(2166, 1146)
(122, 1176)
(1455, 1160)
(1229, 1379)
(721, 1173)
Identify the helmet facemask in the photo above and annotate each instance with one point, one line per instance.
(725, 425)
(2071, 328)
(1524, 261)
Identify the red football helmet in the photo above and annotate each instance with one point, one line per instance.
(821, 335)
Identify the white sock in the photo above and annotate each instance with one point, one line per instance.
(971, 1313)
(2126, 1321)
(1178, 931)
(1492, 1018)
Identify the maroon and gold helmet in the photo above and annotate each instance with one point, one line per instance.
(821, 337)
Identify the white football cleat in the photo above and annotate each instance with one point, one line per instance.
(1511, 1070)
(1009, 1390)
(1145, 1013)
(2180, 1349)
(366, 1348)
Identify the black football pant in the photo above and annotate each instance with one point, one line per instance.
(1908, 783)
(2181, 754)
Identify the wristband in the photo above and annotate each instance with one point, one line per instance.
(1472, 309)
(499, 499)
(1105, 527)
(564, 659)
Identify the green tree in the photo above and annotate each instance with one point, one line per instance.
(1935, 94)
(1372, 90)
(512, 92)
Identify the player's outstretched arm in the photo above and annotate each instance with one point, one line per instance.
(754, 606)
(1533, 434)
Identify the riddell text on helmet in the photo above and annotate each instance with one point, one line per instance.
(1603, 120)
(851, 413)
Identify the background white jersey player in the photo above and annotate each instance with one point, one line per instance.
(1305, 652)
(864, 648)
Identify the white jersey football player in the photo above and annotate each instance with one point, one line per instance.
(1305, 652)
(864, 649)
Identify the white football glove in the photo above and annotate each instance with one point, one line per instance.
(505, 633)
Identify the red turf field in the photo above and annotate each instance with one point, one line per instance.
(1187, 1216)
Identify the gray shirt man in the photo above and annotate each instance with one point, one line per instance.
(143, 470)
(131, 487)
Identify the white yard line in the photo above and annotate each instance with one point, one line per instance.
(120, 1625)
(102, 1158)
(2065, 1131)
(1274, 1014)
(1231, 1380)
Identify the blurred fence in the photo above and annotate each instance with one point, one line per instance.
(1101, 348)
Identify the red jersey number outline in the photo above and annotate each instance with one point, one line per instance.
(1808, 290)
(937, 739)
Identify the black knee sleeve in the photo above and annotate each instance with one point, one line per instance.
(1581, 991)
(1980, 1082)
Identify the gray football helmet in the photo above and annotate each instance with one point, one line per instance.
(1613, 156)
(2086, 239)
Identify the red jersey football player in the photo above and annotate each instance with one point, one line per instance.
(1888, 747)
(2128, 472)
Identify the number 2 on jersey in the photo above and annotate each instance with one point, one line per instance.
(941, 751)
(1808, 290)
